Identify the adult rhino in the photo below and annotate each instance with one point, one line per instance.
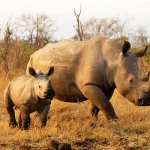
(92, 70)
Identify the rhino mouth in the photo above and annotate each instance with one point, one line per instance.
(49, 95)
(142, 102)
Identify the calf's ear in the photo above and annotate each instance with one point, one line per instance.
(126, 47)
(50, 72)
(141, 52)
(32, 72)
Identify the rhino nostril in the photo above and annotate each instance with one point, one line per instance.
(45, 92)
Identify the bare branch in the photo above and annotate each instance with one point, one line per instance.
(79, 27)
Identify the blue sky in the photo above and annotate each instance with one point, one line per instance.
(62, 12)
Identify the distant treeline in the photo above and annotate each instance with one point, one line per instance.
(29, 32)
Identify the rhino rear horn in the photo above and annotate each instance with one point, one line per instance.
(50, 72)
(141, 52)
(126, 47)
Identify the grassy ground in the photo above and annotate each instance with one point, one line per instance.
(69, 123)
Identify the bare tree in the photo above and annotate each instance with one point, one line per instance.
(10, 51)
(107, 27)
(6, 44)
(139, 37)
(79, 27)
(38, 29)
(44, 30)
(25, 22)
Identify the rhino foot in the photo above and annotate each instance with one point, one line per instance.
(24, 128)
(115, 118)
(13, 124)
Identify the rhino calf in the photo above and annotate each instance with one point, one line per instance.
(29, 93)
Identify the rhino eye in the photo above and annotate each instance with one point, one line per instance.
(131, 81)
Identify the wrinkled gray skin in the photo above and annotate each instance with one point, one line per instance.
(29, 93)
(92, 70)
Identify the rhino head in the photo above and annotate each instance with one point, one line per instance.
(42, 85)
(128, 76)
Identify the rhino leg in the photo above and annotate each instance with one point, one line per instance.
(43, 114)
(11, 112)
(25, 117)
(97, 97)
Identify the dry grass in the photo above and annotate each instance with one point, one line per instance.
(69, 123)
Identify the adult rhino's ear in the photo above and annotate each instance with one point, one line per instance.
(126, 47)
(141, 52)
(50, 72)
(32, 72)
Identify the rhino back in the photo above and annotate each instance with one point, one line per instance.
(59, 54)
